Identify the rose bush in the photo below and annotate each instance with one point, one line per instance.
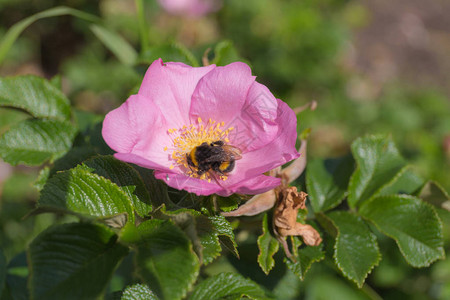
(179, 107)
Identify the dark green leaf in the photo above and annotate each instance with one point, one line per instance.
(138, 292)
(356, 250)
(165, 259)
(118, 45)
(225, 232)
(327, 182)
(157, 188)
(405, 182)
(82, 192)
(228, 203)
(209, 239)
(32, 142)
(2, 271)
(378, 162)
(412, 223)
(35, 95)
(306, 257)
(124, 176)
(227, 286)
(73, 261)
(268, 246)
(433, 193)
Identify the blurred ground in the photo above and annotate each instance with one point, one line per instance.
(407, 40)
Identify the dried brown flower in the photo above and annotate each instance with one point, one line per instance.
(285, 219)
(287, 201)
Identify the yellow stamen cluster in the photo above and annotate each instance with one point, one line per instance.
(188, 137)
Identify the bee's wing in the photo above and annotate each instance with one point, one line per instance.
(235, 151)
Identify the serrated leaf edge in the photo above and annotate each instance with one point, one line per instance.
(428, 262)
(375, 264)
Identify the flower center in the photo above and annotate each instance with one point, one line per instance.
(187, 138)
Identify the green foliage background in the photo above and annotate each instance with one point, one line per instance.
(300, 50)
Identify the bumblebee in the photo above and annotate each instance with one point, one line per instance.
(215, 156)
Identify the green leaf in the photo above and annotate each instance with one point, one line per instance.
(82, 192)
(124, 176)
(13, 33)
(138, 292)
(2, 271)
(306, 257)
(327, 182)
(268, 246)
(433, 193)
(225, 233)
(227, 286)
(42, 178)
(170, 52)
(118, 45)
(35, 95)
(412, 223)
(405, 182)
(209, 239)
(229, 203)
(32, 142)
(157, 188)
(16, 278)
(356, 250)
(165, 259)
(73, 261)
(378, 162)
(225, 53)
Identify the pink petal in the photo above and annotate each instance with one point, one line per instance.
(193, 185)
(138, 127)
(170, 86)
(221, 94)
(123, 127)
(278, 152)
(256, 124)
(140, 161)
(190, 7)
(253, 186)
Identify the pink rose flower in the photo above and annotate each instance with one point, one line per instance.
(190, 7)
(179, 107)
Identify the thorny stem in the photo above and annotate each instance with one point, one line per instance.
(143, 28)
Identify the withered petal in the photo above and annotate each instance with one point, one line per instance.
(257, 204)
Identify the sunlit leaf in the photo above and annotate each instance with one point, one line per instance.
(73, 261)
(405, 182)
(412, 223)
(34, 95)
(124, 176)
(138, 292)
(227, 286)
(327, 182)
(305, 258)
(32, 142)
(356, 250)
(83, 192)
(378, 162)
